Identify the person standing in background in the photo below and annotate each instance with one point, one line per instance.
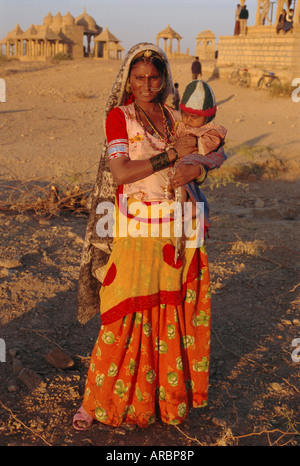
(281, 21)
(244, 15)
(237, 27)
(265, 12)
(196, 68)
(176, 97)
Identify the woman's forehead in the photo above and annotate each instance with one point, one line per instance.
(141, 68)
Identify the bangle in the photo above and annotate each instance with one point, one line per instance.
(202, 176)
(160, 161)
(176, 153)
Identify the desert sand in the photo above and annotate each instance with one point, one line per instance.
(52, 132)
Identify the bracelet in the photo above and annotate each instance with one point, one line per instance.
(160, 161)
(176, 153)
(202, 176)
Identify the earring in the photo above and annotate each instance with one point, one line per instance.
(127, 87)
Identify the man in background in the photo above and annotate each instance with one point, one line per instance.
(196, 68)
(244, 15)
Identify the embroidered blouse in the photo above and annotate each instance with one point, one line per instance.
(127, 138)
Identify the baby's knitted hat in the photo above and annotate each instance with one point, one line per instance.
(199, 99)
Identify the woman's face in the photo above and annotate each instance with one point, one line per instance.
(145, 82)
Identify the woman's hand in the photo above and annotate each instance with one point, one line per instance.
(184, 174)
(185, 145)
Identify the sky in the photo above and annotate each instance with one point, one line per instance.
(133, 21)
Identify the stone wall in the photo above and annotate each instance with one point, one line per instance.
(75, 35)
(268, 51)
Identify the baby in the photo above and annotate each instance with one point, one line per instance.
(198, 109)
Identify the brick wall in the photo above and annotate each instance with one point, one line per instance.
(268, 52)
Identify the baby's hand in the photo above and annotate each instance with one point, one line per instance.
(185, 145)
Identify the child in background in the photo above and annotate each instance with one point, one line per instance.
(176, 97)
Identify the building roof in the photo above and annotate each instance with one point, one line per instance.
(57, 19)
(88, 22)
(48, 19)
(168, 32)
(15, 33)
(46, 33)
(106, 36)
(68, 19)
(30, 32)
(206, 33)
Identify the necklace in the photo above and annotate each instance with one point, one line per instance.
(165, 137)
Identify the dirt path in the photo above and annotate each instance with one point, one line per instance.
(51, 130)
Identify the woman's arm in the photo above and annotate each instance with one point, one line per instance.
(127, 171)
(186, 172)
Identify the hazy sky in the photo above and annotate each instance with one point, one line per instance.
(133, 21)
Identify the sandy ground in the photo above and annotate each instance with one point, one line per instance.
(51, 131)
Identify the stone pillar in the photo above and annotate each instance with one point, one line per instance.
(280, 6)
(165, 45)
(257, 19)
(297, 13)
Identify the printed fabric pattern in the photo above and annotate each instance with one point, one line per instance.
(153, 364)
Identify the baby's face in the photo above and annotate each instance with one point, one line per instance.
(191, 120)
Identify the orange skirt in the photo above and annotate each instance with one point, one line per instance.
(153, 364)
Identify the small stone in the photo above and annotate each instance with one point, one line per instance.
(219, 422)
(13, 352)
(42, 221)
(10, 263)
(259, 203)
(276, 387)
(59, 359)
(30, 378)
(286, 322)
(120, 431)
(12, 387)
(17, 366)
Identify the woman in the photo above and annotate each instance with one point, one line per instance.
(237, 28)
(288, 25)
(152, 354)
(281, 21)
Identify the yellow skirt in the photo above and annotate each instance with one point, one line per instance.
(154, 363)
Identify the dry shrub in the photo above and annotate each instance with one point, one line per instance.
(259, 161)
(43, 200)
(251, 248)
(283, 90)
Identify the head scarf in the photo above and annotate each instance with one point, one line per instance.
(96, 250)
